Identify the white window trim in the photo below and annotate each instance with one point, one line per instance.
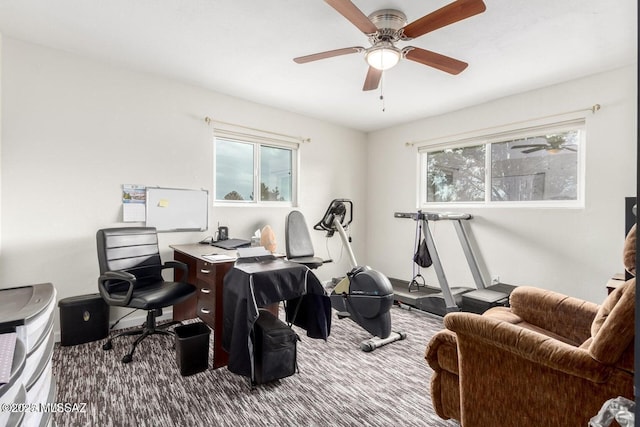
(500, 134)
(257, 141)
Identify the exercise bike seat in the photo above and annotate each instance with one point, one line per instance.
(299, 247)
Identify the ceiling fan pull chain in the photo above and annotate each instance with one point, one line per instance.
(381, 92)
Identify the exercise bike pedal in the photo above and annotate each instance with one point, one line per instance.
(343, 314)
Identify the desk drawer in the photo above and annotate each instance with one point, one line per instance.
(206, 272)
(206, 308)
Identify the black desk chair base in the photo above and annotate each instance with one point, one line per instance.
(149, 328)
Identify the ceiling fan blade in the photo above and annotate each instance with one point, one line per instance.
(453, 12)
(435, 60)
(328, 54)
(531, 150)
(529, 146)
(372, 80)
(353, 14)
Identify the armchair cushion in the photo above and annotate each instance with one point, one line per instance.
(568, 318)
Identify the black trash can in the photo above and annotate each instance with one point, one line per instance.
(83, 319)
(192, 348)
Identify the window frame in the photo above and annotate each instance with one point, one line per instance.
(257, 143)
(576, 123)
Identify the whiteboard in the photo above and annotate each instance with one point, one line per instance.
(175, 209)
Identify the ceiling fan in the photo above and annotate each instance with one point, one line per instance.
(386, 27)
(553, 144)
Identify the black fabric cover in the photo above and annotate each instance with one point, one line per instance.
(249, 286)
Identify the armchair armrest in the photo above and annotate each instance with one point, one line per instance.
(178, 265)
(529, 345)
(119, 276)
(563, 315)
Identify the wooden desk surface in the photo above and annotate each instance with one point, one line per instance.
(197, 250)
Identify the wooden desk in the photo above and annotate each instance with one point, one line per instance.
(207, 277)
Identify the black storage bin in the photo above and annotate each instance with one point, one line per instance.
(83, 319)
(192, 348)
(274, 348)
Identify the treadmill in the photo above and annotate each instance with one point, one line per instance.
(445, 299)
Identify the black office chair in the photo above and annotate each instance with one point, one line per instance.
(131, 276)
(298, 241)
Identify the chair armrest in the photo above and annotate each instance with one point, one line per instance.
(120, 276)
(441, 352)
(526, 344)
(563, 315)
(178, 265)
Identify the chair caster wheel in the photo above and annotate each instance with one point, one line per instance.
(107, 345)
(127, 358)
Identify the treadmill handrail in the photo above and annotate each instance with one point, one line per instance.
(434, 216)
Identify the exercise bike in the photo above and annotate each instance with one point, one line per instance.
(363, 295)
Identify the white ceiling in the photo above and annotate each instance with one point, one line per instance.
(245, 48)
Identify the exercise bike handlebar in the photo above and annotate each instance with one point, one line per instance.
(335, 219)
(336, 214)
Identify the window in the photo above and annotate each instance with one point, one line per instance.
(255, 172)
(537, 167)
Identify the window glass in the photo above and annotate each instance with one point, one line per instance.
(541, 167)
(254, 172)
(538, 166)
(275, 174)
(234, 170)
(456, 175)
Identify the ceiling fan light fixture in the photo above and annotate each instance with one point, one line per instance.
(383, 56)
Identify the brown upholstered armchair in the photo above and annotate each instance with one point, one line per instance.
(548, 360)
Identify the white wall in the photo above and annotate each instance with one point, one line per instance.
(573, 251)
(75, 130)
(0, 143)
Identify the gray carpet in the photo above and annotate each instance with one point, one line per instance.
(338, 384)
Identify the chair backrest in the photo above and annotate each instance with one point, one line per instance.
(296, 236)
(130, 249)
